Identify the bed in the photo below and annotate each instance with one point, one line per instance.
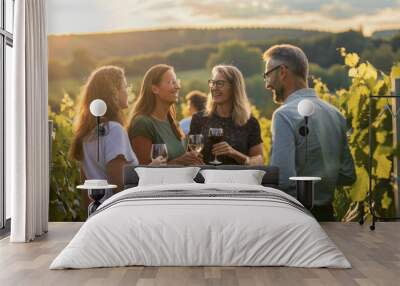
(201, 224)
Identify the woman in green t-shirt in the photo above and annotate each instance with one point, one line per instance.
(153, 119)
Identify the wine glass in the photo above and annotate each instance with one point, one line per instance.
(215, 135)
(195, 142)
(158, 150)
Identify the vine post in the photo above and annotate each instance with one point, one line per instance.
(396, 140)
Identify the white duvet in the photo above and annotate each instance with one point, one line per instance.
(188, 231)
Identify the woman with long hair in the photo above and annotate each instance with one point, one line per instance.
(153, 118)
(107, 83)
(228, 108)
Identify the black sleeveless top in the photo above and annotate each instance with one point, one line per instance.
(241, 138)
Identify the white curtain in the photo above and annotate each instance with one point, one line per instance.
(27, 157)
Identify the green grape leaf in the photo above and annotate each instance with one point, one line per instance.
(370, 72)
(351, 60)
(359, 190)
(353, 72)
(342, 51)
(386, 201)
(395, 72)
(384, 166)
(380, 88)
(381, 137)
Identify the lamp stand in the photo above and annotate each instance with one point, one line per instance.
(304, 132)
(306, 123)
(96, 195)
(98, 137)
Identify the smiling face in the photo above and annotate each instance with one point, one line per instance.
(168, 88)
(273, 80)
(220, 88)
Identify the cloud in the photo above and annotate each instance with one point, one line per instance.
(347, 9)
(85, 16)
(240, 9)
(161, 6)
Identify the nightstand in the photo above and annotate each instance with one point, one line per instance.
(305, 190)
(96, 191)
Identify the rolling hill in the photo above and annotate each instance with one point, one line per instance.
(131, 43)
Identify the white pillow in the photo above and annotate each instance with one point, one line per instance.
(248, 177)
(166, 176)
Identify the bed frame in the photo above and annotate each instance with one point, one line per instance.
(270, 179)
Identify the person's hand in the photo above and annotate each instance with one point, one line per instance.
(200, 156)
(160, 160)
(189, 158)
(223, 148)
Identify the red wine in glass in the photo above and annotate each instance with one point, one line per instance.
(215, 136)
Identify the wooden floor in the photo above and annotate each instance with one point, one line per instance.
(375, 257)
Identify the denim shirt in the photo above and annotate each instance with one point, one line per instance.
(329, 156)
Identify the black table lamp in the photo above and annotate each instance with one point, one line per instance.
(98, 108)
(305, 185)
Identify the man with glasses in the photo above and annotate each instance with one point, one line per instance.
(329, 157)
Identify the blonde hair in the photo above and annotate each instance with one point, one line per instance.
(103, 83)
(241, 110)
(146, 101)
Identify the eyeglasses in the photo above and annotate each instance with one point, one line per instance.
(267, 73)
(218, 83)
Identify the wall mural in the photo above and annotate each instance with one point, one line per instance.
(346, 67)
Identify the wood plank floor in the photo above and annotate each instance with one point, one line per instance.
(375, 257)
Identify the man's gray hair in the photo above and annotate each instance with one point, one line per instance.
(291, 56)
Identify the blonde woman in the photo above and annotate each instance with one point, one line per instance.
(109, 84)
(153, 118)
(229, 108)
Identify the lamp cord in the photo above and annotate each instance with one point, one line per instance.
(306, 121)
(98, 138)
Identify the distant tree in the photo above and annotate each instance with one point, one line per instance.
(382, 57)
(57, 70)
(194, 84)
(259, 96)
(338, 77)
(81, 64)
(239, 54)
(335, 77)
(323, 49)
(353, 41)
(395, 42)
(189, 58)
(138, 65)
(117, 61)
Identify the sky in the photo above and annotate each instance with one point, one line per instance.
(93, 16)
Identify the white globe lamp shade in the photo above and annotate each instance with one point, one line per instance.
(306, 108)
(98, 107)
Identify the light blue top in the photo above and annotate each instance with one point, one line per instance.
(114, 142)
(329, 156)
(185, 124)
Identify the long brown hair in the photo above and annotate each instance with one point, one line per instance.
(146, 101)
(103, 83)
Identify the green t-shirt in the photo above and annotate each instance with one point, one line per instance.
(158, 132)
